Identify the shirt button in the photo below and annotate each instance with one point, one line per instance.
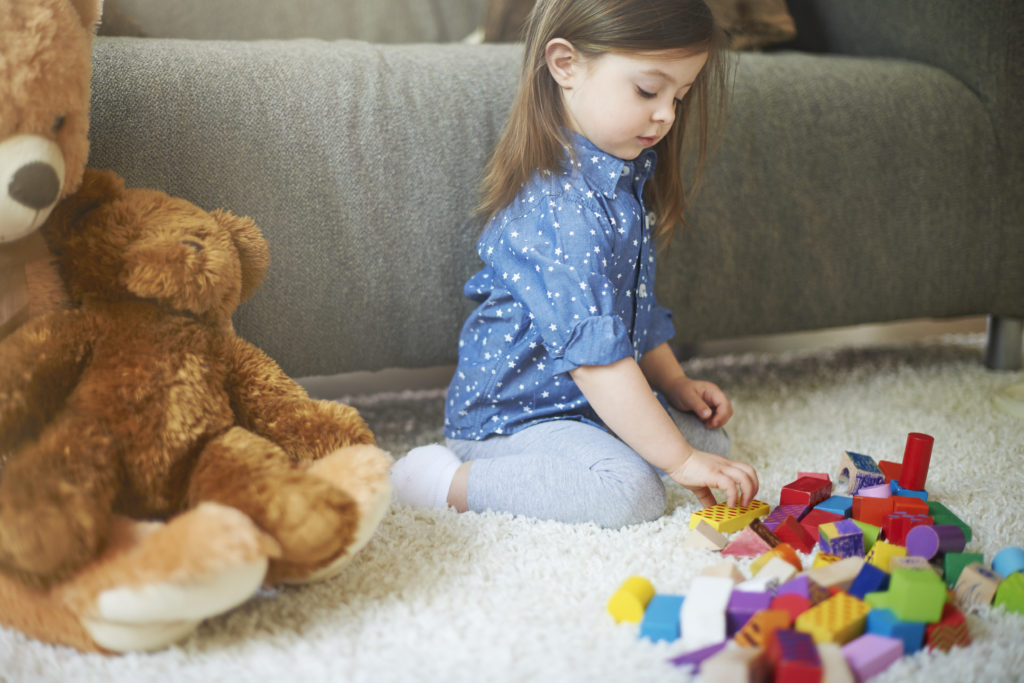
(625, 170)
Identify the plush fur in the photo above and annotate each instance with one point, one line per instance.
(140, 401)
(45, 66)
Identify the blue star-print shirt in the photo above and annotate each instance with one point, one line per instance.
(568, 280)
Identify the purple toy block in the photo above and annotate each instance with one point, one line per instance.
(798, 585)
(842, 539)
(697, 657)
(742, 606)
(871, 654)
(929, 541)
(876, 491)
(776, 516)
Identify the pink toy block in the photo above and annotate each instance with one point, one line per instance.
(916, 457)
(746, 544)
(877, 491)
(807, 491)
(871, 654)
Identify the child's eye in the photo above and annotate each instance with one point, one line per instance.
(644, 94)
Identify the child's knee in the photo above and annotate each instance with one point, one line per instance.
(642, 499)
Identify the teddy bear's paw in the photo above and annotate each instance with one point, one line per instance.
(362, 471)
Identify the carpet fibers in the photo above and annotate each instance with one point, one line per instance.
(438, 596)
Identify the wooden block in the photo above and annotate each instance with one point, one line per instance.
(734, 664)
(791, 603)
(890, 470)
(870, 579)
(876, 491)
(976, 586)
(756, 631)
(815, 518)
(794, 656)
(871, 510)
(1008, 560)
(943, 515)
(703, 616)
(839, 619)
(950, 631)
(897, 525)
(871, 533)
(729, 519)
(897, 490)
(747, 544)
(724, 570)
(838, 574)
(916, 457)
(742, 606)
(910, 562)
(954, 563)
(795, 534)
(784, 551)
(909, 504)
(843, 538)
(837, 505)
(805, 586)
(630, 600)
(857, 471)
(705, 537)
(913, 595)
(821, 559)
(885, 623)
(929, 540)
(834, 668)
(661, 619)
(1010, 594)
(871, 654)
(807, 491)
(776, 570)
(882, 553)
(766, 534)
(780, 513)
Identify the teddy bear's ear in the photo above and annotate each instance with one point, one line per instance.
(252, 248)
(89, 11)
(98, 187)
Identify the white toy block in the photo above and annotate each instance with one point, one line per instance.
(704, 612)
(705, 537)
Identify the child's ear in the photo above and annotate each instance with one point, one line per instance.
(564, 62)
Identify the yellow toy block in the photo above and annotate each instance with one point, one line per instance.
(839, 619)
(757, 629)
(630, 600)
(822, 559)
(729, 519)
(882, 553)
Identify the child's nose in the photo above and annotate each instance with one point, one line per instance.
(665, 112)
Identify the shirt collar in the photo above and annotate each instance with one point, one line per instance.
(604, 171)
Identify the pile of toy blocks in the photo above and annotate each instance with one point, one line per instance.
(890, 577)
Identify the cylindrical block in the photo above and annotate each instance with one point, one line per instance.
(916, 457)
(629, 602)
(928, 541)
(877, 491)
(1009, 560)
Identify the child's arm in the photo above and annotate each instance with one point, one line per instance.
(622, 398)
(705, 399)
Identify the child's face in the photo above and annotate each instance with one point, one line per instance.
(625, 103)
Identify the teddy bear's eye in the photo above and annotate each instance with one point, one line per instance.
(58, 123)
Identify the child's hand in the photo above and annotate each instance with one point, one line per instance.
(703, 470)
(703, 398)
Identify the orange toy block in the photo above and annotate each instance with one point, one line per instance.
(757, 629)
(871, 510)
(839, 619)
(729, 519)
(784, 551)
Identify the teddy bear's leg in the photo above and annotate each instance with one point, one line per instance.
(56, 497)
(362, 471)
(311, 519)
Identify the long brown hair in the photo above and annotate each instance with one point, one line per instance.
(535, 138)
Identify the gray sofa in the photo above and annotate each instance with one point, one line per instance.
(870, 172)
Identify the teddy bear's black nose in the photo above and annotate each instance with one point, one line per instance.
(35, 185)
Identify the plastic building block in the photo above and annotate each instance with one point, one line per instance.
(870, 531)
(916, 457)
(896, 490)
(703, 615)
(857, 471)
(705, 537)
(630, 600)
(1009, 560)
(843, 538)
(949, 632)
(885, 623)
(661, 620)
(882, 553)
(694, 658)
(742, 606)
(870, 579)
(724, 570)
(897, 525)
(794, 656)
(891, 470)
(791, 603)
(871, 510)
(834, 668)
(795, 534)
(806, 490)
(777, 571)
(876, 491)
(733, 663)
(729, 519)
(954, 563)
(759, 627)
(1010, 594)
(943, 515)
(976, 586)
(784, 551)
(913, 595)
(929, 540)
(839, 619)
(837, 505)
(839, 575)
(780, 513)
(747, 543)
(871, 654)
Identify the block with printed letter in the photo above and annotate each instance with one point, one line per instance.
(807, 490)
(976, 586)
(843, 538)
(815, 518)
(857, 471)
(954, 563)
(729, 519)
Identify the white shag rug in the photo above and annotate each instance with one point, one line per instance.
(445, 597)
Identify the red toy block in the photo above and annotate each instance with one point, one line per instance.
(891, 470)
(818, 475)
(897, 525)
(949, 632)
(795, 534)
(815, 518)
(792, 603)
(871, 510)
(807, 490)
(916, 457)
(909, 504)
(794, 656)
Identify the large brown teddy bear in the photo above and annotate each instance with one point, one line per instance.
(45, 65)
(142, 402)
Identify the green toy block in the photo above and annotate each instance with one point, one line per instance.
(913, 595)
(1010, 593)
(954, 563)
(871, 533)
(941, 514)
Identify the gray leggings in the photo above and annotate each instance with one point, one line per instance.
(573, 472)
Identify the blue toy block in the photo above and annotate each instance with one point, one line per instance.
(884, 622)
(898, 490)
(869, 580)
(1009, 560)
(661, 618)
(838, 505)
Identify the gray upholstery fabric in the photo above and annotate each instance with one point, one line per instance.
(846, 189)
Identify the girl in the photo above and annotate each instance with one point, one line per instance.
(552, 412)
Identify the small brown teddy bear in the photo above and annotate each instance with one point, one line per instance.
(141, 401)
(45, 65)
